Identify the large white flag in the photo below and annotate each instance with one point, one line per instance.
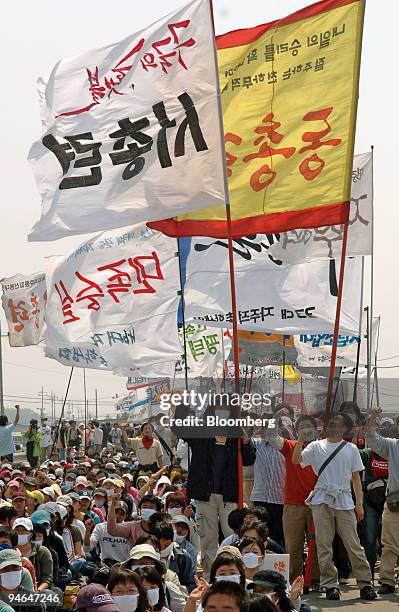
(24, 299)
(271, 296)
(131, 130)
(118, 291)
(302, 245)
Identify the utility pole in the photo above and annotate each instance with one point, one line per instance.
(42, 408)
(95, 394)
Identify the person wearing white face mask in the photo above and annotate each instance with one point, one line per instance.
(175, 558)
(155, 588)
(132, 530)
(39, 556)
(181, 525)
(273, 585)
(228, 567)
(253, 554)
(112, 548)
(15, 578)
(143, 556)
(127, 591)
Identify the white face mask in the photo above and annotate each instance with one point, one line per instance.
(23, 539)
(110, 492)
(99, 503)
(235, 578)
(166, 552)
(179, 538)
(126, 603)
(153, 596)
(11, 580)
(251, 560)
(174, 511)
(146, 513)
(179, 486)
(39, 542)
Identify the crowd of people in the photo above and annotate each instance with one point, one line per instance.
(146, 518)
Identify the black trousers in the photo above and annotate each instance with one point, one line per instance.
(275, 523)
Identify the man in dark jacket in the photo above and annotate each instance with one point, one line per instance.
(213, 475)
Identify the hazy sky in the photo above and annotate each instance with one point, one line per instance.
(34, 35)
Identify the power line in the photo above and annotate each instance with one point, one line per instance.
(387, 358)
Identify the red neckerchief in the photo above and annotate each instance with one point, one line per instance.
(147, 442)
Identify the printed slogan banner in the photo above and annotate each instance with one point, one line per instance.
(131, 130)
(289, 95)
(271, 297)
(24, 300)
(314, 350)
(207, 351)
(301, 245)
(261, 349)
(119, 291)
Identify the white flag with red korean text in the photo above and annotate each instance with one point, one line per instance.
(24, 299)
(131, 130)
(303, 245)
(113, 302)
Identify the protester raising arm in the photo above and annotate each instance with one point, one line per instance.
(296, 455)
(16, 419)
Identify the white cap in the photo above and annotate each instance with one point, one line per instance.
(50, 492)
(23, 522)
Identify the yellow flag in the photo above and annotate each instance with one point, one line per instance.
(289, 94)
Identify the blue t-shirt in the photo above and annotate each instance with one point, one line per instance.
(6, 442)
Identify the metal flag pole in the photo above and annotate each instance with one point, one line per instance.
(354, 397)
(183, 308)
(1, 373)
(85, 410)
(62, 413)
(370, 312)
(368, 365)
(240, 497)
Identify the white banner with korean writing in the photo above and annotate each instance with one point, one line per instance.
(207, 350)
(24, 299)
(271, 296)
(301, 245)
(314, 350)
(131, 130)
(119, 292)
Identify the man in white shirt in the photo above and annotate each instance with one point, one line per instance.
(112, 548)
(45, 441)
(97, 437)
(332, 505)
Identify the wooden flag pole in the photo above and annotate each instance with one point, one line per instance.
(240, 494)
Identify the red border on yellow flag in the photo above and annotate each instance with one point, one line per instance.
(289, 95)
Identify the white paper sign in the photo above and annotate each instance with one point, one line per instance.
(271, 297)
(278, 563)
(24, 300)
(131, 130)
(119, 292)
(301, 245)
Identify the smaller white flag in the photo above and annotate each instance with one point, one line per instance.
(303, 245)
(24, 300)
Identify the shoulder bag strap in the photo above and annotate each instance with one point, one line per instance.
(331, 457)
